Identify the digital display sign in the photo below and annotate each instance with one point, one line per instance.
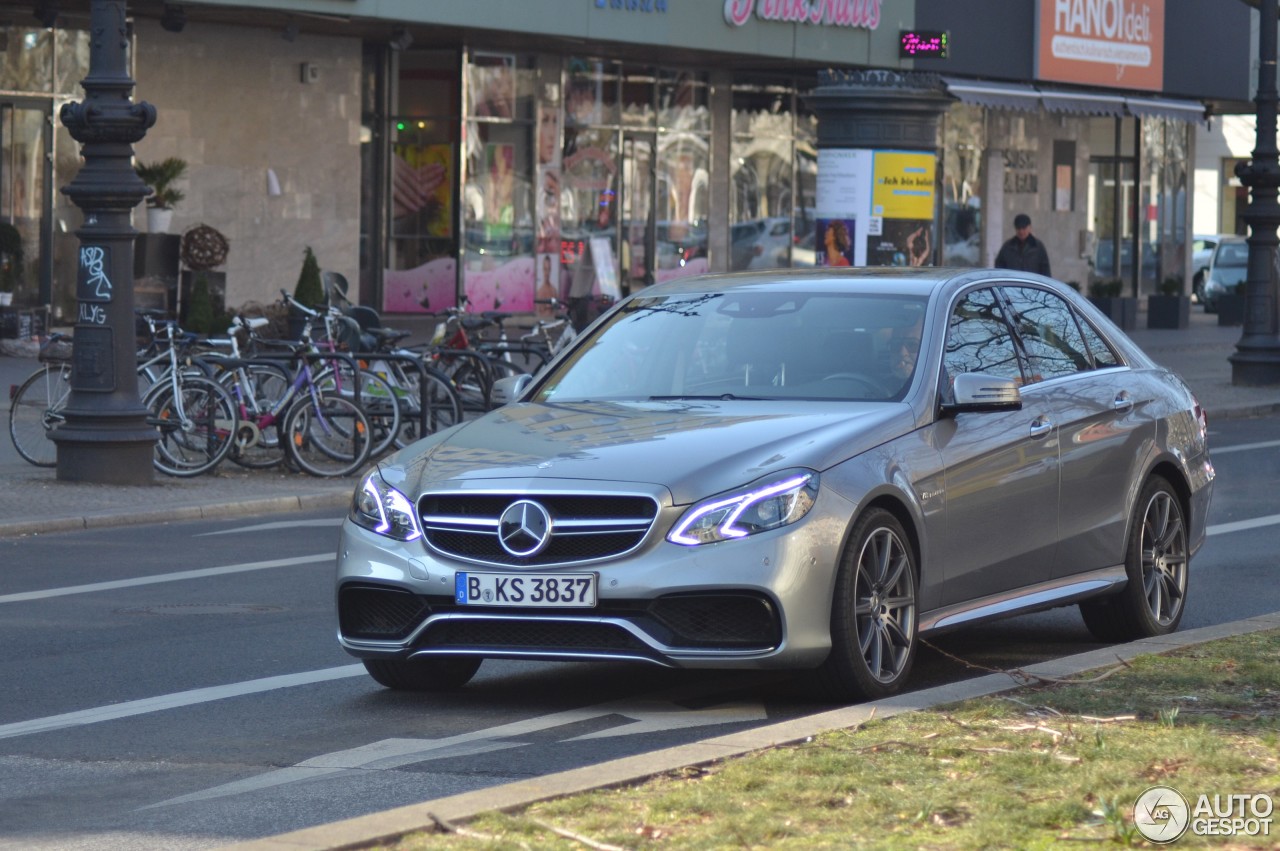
(923, 44)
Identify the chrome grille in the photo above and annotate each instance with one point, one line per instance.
(585, 527)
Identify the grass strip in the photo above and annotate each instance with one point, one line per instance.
(1045, 766)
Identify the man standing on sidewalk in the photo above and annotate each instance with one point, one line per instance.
(1023, 251)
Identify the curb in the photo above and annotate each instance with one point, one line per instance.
(210, 511)
(392, 825)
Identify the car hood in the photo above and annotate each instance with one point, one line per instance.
(692, 448)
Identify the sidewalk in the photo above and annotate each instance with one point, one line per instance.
(34, 501)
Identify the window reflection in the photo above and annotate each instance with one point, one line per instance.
(979, 340)
(1048, 333)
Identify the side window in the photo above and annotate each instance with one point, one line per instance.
(1103, 356)
(1048, 332)
(979, 340)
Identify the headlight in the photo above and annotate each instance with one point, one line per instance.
(771, 502)
(381, 508)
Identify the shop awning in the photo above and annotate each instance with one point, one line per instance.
(997, 95)
(1182, 110)
(1082, 103)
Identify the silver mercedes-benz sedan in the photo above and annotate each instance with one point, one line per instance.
(805, 470)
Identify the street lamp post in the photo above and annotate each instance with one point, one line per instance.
(1256, 360)
(105, 437)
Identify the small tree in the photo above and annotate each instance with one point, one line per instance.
(310, 290)
(200, 314)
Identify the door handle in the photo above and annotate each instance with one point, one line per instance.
(1123, 402)
(1041, 427)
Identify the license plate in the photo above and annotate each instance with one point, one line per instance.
(539, 590)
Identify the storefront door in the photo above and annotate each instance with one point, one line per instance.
(637, 244)
(1112, 199)
(25, 168)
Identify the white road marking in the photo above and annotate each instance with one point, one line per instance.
(283, 524)
(1223, 450)
(173, 701)
(651, 714)
(1242, 525)
(158, 578)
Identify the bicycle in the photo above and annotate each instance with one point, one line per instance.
(322, 432)
(35, 405)
(196, 418)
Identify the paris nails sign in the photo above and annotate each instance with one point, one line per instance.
(1113, 43)
(821, 13)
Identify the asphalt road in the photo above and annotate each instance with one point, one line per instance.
(180, 686)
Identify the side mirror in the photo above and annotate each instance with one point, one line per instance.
(506, 390)
(974, 391)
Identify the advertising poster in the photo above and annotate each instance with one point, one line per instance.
(835, 242)
(902, 207)
(843, 195)
(422, 189)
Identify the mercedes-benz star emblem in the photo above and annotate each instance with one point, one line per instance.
(524, 528)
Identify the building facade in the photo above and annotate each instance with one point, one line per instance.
(581, 149)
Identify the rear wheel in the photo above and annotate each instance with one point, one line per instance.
(437, 673)
(431, 404)
(873, 613)
(1157, 562)
(36, 409)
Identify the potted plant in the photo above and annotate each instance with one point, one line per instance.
(1105, 295)
(1170, 308)
(161, 176)
(10, 262)
(309, 292)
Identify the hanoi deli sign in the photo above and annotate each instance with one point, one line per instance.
(1115, 43)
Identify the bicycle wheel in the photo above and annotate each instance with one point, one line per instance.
(327, 435)
(197, 425)
(259, 389)
(377, 398)
(472, 380)
(429, 404)
(36, 409)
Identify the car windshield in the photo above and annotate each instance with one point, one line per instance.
(1232, 254)
(747, 345)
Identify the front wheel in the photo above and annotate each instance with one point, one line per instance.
(1157, 561)
(36, 409)
(197, 424)
(873, 613)
(436, 673)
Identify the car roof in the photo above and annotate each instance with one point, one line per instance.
(915, 281)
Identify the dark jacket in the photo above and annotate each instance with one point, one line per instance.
(1029, 256)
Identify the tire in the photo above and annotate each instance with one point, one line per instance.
(1157, 561)
(873, 613)
(437, 673)
(472, 381)
(36, 409)
(377, 398)
(430, 405)
(326, 435)
(197, 426)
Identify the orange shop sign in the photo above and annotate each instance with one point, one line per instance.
(1114, 43)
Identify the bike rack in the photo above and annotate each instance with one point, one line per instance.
(424, 369)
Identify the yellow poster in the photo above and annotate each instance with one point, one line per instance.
(903, 185)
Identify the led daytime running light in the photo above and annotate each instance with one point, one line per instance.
(392, 501)
(743, 501)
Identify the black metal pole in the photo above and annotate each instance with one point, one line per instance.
(1256, 360)
(105, 437)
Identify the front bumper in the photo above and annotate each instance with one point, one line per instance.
(758, 602)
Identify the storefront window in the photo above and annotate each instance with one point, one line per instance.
(498, 203)
(1164, 189)
(682, 205)
(27, 60)
(762, 196)
(421, 270)
(964, 141)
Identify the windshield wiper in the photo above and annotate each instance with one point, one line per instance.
(720, 397)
